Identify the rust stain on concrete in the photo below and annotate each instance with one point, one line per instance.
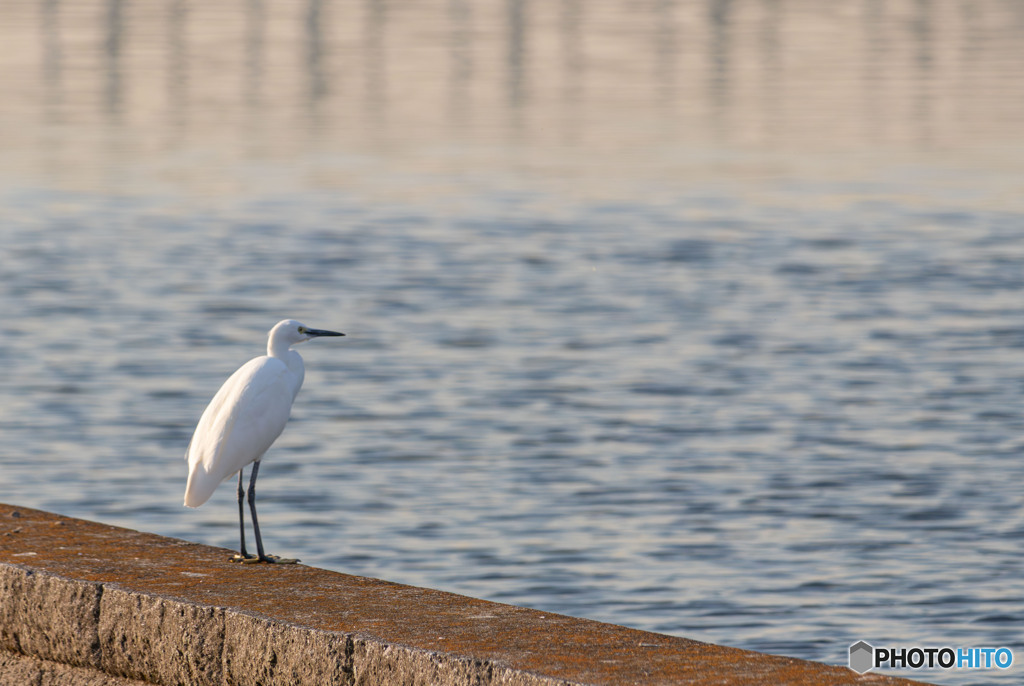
(576, 650)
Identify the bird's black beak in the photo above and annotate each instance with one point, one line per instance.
(313, 333)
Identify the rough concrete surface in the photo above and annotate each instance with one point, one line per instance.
(49, 617)
(138, 631)
(19, 670)
(87, 603)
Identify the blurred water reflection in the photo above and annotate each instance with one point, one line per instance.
(698, 316)
(655, 87)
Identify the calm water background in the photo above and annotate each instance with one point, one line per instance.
(701, 317)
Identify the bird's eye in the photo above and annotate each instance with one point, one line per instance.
(302, 329)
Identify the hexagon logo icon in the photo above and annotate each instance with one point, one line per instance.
(862, 657)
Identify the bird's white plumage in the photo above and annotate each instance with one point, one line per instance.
(242, 421)
(248, 413)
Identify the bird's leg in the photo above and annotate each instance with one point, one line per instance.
(261, 556)
(243, 555)
(252, 511)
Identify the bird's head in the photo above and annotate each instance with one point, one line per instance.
(292, 333)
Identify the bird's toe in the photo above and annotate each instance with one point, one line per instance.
(244, 559)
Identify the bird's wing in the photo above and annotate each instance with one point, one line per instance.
(244, 418)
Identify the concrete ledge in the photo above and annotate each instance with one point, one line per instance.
(85, 603)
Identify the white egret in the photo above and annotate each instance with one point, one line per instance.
(244, 418)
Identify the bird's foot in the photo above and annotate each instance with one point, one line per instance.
(244, 559)
(270, 559)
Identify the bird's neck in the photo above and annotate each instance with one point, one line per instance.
(293, 361)
(278, 349)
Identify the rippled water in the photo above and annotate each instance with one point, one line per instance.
(722, 338)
